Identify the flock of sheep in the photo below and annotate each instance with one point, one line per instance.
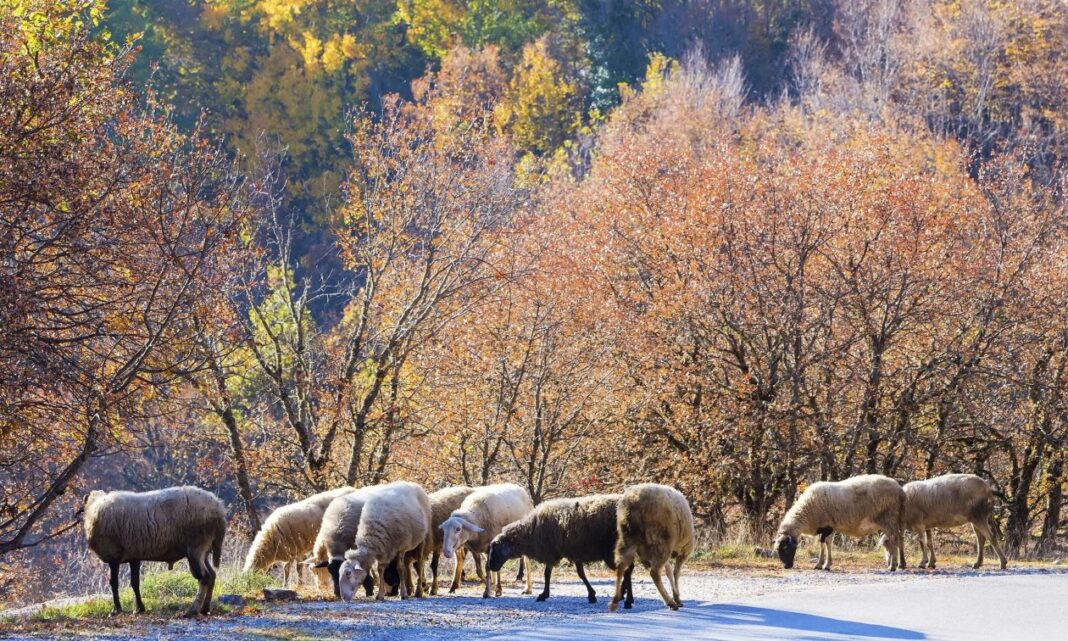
(380, 537)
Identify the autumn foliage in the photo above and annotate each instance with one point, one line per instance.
(501, 274)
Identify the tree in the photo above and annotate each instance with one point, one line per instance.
(110, 228)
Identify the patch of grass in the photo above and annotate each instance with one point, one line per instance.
(164, 593)
(246, 584)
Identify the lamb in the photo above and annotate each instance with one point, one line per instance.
(654, 524)
(581, 530)
(481, 517)
(336, 536)
(395, 520)
(949, 501)
(289, 532)
(164, 525)
(856, 506)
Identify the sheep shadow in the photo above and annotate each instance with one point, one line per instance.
(715, 621)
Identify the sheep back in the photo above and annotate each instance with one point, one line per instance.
(856, 506)
(161, 525)
(947, 501)
(395, 519)
(657, 521)
(289, 533)
(581, 530)
(492, 507)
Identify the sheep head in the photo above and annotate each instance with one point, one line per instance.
(786, 547)
(351, 574)
(500, 551)
(458, 531)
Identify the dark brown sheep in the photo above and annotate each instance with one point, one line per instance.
(581, 530)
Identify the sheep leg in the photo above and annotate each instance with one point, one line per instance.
(530, 575)
(197, 570)
(404, 578)
(548, 576)
(824, 562)
(625, 559)
(420, 558)
(929, 535)
(654, 571)
(478, 565)
(675, 581)
(458, 571)
(114, 582)
(380, 580)
(628, 587)
(980, 544)
(891, 544)
(497, 576)
(489, 585)
(522, 566)
(434, 573)
(135, 583)
(591, 594)
(827, 564)
(993, 539)
(209, 573)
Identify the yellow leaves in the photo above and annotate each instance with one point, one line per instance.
(540, 107)
(310, 50)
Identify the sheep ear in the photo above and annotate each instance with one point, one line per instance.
(471, 527)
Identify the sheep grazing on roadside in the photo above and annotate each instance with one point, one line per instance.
(442, 504)
(336, 536)
(581, 530)
(164, 525)
(480, 518)
(655, 525)
(857, 506)
(289, 532)
(395, 520)
(949, 501)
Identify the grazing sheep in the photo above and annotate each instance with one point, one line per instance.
(337, 535)
(949, 501)
(395, 520)
(289, 532)
(164, 525)
(655, 525)
(481, 517)
(581, 530)
(856, 507)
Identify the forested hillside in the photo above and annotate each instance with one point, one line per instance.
(270, 247)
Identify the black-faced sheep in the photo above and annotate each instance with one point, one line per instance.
(395, 520)
(857, 506)
(949, 501)
(164, 525)
(336, 536)
(481, 517)
(581, 530)
(655, 525)
(288, 534)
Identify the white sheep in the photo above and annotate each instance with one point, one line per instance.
(289, 532)
(480, 518)
(336, 536)
(949, 501)
(655, 525)
(442, 504)
(857, 506)
(395, 520)
(164, 525)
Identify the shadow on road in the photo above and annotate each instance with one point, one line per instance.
(715, 621)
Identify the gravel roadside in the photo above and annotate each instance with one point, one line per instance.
(467, 614)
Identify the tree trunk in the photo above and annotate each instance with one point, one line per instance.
(1054, 501)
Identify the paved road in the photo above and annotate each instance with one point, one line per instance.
(974, 608)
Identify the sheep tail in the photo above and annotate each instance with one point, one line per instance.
(217, 545)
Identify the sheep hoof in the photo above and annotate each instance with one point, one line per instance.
(976, 566)
(673, 606)
(190, 614)
(628, 605)
(542, 597)
(485, 595)
(115, 613)
(678, 603)
(593, 599)
(612, 606)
